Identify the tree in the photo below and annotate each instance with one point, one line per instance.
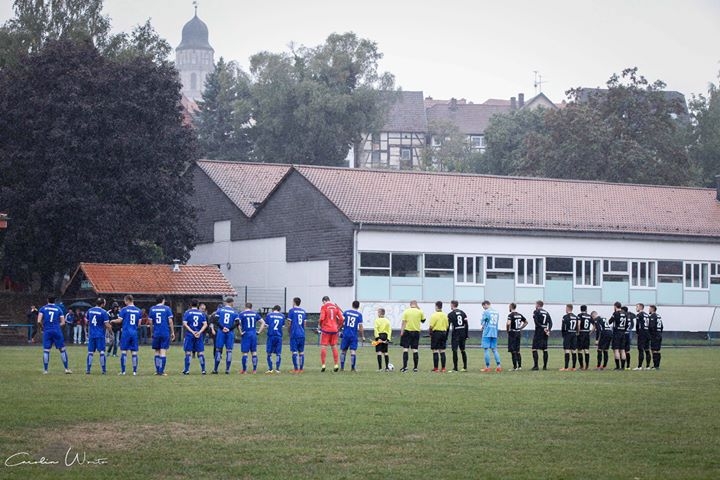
(705, 136)
(453, 151)
(629, 132)
(311, 104)
(92, 153)
(225, 110)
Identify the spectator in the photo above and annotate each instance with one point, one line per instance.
(144, 327)
(79, 327)
(69, 325)
(113, 313)
(32, 320)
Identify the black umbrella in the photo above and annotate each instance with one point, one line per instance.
(80, 304)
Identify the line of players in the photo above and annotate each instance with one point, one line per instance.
(576, 330)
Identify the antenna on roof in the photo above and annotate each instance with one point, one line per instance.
(538, 83)
(195, 4)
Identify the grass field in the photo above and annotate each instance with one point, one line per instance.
(649, 424)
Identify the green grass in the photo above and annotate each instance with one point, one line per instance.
(661, 424)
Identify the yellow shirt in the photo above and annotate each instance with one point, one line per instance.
(439, 322)
(382, 325)
(412, 318)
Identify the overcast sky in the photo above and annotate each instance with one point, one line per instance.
(467, 49)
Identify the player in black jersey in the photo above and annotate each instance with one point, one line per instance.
(515, 323)
(543, 326)
(655, 328)
(603, 337)
(585, 325)
(569, 333)
(643, 336)
(628, 335)
(619, 322)
(458, 323)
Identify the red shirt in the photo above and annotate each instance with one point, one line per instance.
(331, 318)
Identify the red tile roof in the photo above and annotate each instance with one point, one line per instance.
(247, 185)
(143, 279)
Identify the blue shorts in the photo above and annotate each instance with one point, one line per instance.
(225, 340)
(249, 343)
(489, 342)
(160, 342)
(129, 342)
(97, 343)
(274, 345)
(193, 344)
(51, 337)
(348, 342)
(297, 344)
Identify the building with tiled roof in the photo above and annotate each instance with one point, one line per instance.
(178, 283)
(386, 237)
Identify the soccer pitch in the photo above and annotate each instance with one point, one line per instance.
(644, 424)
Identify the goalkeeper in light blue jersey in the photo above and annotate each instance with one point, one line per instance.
(489, 322)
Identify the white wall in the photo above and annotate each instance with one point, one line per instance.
(262, 263)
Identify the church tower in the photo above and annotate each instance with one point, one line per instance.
(194, 57)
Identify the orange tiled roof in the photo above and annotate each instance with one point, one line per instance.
(247, 185)
(109, 278)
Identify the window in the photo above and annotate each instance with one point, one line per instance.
(469, 270)
(438, 266)
(500, 268)
(669, 272)
(436, 141)
(405, 154)
(530, 271)
(714, 273)
(477, 141)
(405, 265)
(587, 272)
(615, 271)
(558, 268)
(643, 273)
(374, 264)
(696, 275)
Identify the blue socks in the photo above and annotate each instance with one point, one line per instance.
(295, 360)
(134, 361)
(342, 360)
(123, 361)
(218, 355)
(89, 362)
(228, 360)
(302, 360)
(254, 362)
(353, 359)
(269, 360)
(103, 362)
(187, 363)
(201, 357)
(64, 357)
(163, 361)
(277, 362)
(244, 362)
(487, 358)
(46, 359)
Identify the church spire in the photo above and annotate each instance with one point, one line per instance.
(195, 4)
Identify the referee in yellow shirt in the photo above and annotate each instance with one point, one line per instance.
(412, 317)
(439, 326)
(383, 334)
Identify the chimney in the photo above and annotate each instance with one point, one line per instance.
(453, 104)
(717, 187)
(176, 265)
(513, 104)
(521, 100)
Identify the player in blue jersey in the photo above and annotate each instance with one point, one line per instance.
(296, 326)
(194, 325)
(227, 321)
(51, 320)
(489, 326)
(249, 322)
(275, 322)
(163, 332)
(98, 325)
(129, 317)
(352, 324)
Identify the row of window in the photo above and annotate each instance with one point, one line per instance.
(534, 271)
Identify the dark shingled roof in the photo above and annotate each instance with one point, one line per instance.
(421, 199)
(469, 118)
(407, 113)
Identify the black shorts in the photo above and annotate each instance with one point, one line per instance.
(381, 347)
(583, 341)
(514, 341)
(458, 340)
(410, 340)
(540, 341)
(604, 342)
(618, 340)
(655, 342)
(570, 341)
(438, 340)
(643, 341)
(628, 342)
